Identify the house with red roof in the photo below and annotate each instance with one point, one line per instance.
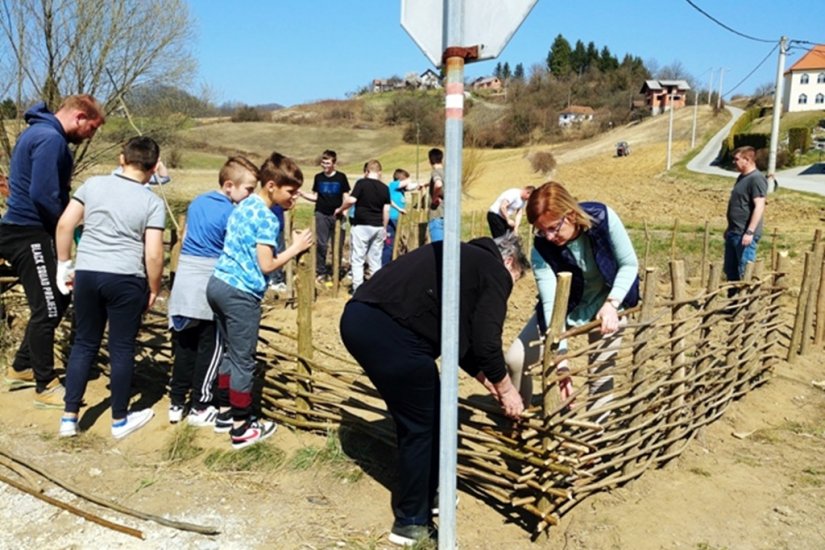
(804, 88)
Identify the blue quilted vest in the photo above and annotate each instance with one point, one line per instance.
(561, 259)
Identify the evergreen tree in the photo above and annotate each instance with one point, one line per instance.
(518, 72)
(592, 55)
(578, 58)
(505, 71)
(497, 70)
(607, 61)
(558, 59)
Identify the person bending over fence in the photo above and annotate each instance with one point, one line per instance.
(392, 327)
(588, 240)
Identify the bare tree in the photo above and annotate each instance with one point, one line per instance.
(99, 47)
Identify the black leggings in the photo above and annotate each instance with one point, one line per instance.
(402, 367)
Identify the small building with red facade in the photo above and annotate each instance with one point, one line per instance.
(661, 95)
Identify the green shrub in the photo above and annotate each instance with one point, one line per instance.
(799, 139)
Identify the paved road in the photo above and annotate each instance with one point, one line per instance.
(809, 178)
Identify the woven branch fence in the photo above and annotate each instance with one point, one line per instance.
(630, 402)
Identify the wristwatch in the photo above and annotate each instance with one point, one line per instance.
(748, 232)
(615, 303)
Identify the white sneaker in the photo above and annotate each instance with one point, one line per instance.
(68, 427)
(175, 414)
(133, 421)
(203, 418)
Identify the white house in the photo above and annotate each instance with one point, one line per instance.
(429, 79)
(575, 114)
(804, 88)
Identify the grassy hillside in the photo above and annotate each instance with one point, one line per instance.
(806, 119)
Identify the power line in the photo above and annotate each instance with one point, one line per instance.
(734, 31)
(753, 71)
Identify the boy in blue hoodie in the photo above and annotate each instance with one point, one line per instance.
(40, 179)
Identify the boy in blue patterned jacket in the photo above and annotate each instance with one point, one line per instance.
(235, 291)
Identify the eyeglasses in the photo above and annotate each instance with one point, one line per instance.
(550, 232)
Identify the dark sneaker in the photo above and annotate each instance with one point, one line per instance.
(223, 422)
(408, 535)
(251, 432)
(16, 379)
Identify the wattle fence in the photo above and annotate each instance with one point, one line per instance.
(604, 410)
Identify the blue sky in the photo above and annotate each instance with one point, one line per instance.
(296, 51)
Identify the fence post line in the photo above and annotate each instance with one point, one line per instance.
(799, 319)
(775, 305)
(642, 351)
(550, 396)
(705, 251)
(176, 242)
(708, 313)
(773, 249)
(673, 239)
(677, 349)
(289, 269)
(306, 295)
(810, 303)
(647, 246)
(819, 333)
(400, 224)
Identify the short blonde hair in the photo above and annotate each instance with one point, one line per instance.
(84, 103)
(234, 168)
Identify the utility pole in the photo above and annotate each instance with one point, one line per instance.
(669, 129)
(710, 86)
(719, 97)
(695, 111)
(777, 111)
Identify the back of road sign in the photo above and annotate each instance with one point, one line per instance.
(488, 24)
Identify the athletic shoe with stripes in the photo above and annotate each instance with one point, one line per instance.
(250, 432)
(202, 418)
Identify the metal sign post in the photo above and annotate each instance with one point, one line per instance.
(455, 31)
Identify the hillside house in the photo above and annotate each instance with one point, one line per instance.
(575, 114)
(491, 83)
(804, 88)
(429, 80)
(661, 95)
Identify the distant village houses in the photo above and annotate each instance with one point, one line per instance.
(491, 83)
(804, 88)
(428, 80)
(662, 95)
(575, 114)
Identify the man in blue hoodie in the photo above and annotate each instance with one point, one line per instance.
(39, 181)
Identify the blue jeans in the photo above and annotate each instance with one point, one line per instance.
(738, 256)
(98, 297)
(436, 226)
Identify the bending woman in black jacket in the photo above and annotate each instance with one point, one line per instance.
(392, 326)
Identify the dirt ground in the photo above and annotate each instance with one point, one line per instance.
(753, 480)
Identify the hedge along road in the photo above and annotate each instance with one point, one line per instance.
(810, 178)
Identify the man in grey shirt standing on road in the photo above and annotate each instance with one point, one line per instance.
(746, 209)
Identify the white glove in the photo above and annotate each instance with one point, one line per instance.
(65, 276)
